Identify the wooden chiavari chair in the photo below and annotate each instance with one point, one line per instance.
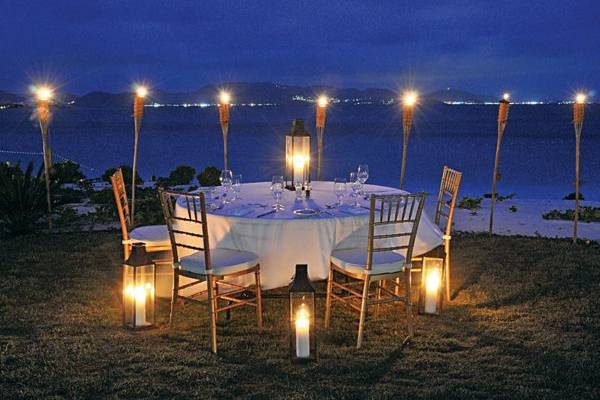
(444, 216)
(155, 237)
(393, 224)
(188, 231)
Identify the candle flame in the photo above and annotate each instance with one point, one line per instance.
(410, 99)
(580, 98)
(141, 91)
(323, 101)
(225, 97)
(138, 292)
(302, 317)
(433, 281)
(44, 93)
(299, 161)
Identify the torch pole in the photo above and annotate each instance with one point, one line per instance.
(43, 117)
(406, 127)
(578, 110)
(138, 111)
(319, 151)
(502, 118)
(224, 120)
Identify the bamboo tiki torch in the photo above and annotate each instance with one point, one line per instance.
(138, 112)
(224, 106)
(503, 106)
(408, 103)
(321, 115)
(44, 95)
(578, 110)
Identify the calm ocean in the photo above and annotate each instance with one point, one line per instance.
(537, 159)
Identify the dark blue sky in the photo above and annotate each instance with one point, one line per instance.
(532, 48)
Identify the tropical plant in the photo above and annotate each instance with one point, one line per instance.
(209, 177)
(182, 175)
(67, 172)
(22, 198)
(127, 173)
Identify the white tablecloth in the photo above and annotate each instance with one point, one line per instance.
(282, 240)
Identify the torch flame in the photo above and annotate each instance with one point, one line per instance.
(225, 97)
(323, 101)
(141, 91)
(506, 96)
(44, 93)
(580, 98)
(410, 99)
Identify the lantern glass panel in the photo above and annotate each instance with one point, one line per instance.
(139, 284)
(430, 294)
(302, 329)
(297, 156)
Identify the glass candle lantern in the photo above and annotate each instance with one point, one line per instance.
(297, 154)
(430, 293)
(302, 332)
(139, 283)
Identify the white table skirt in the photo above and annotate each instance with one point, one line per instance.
(282, 240)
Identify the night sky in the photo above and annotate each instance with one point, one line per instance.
(535, 49)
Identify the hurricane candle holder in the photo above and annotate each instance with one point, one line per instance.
(302, 333)
(297, 155)
(430, 293)
(139, 283)
(138, 111)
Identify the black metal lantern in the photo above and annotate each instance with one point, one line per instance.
(139, 283)
(303, 335)
(297, 155)
(430, 293)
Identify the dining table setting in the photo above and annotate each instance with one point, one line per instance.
(287, 225)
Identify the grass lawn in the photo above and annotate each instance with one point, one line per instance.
(525, 323)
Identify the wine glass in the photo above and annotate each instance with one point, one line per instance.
(339, 188)
(226, 179)
(356, 187)
(237, 186)
(362, 175)
(277, 186)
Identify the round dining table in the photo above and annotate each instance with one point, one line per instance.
(283, 239)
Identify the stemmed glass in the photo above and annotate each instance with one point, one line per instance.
(362, 175)
(226, 179)
(356, 187)
(237, 186)
(339, 188)
(277, 185)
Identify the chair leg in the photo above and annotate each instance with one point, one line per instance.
(258, 298)
(363, 312)
(397, 288)
(174, 296)
(447, 271)
(212, 307)
(328, 298)
(380, 285)
(409, 311)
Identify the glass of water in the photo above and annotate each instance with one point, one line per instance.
(237, 186)
(277, 185)
(339, 188)
(226, 179)
(356, 187)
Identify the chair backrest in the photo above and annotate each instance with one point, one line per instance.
(185, 216)
(118, 184)
(447, 196)
(398, 215)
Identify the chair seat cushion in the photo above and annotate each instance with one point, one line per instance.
(151, 235)
(224, 261)
(355, 261)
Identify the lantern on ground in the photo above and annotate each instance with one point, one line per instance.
(297, 155)
(430, 294)
(139, 282)
(303, 337)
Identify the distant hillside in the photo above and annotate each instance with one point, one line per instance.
(454, 95)
(10, 98)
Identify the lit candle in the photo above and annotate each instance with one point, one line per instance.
(302, 333)
(138, 295)
(299, 165)
(431, 291)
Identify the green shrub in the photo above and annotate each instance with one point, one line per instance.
(470, 203)
(22, 198)
(571, 196)
(182, 175)
(209, 177)
(499, 197)
(67, 172)
(586, 214)
(127, 173)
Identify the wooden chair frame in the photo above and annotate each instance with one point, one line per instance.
(444, 209)
(118, 185)
(195, 206)
(393, 209)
